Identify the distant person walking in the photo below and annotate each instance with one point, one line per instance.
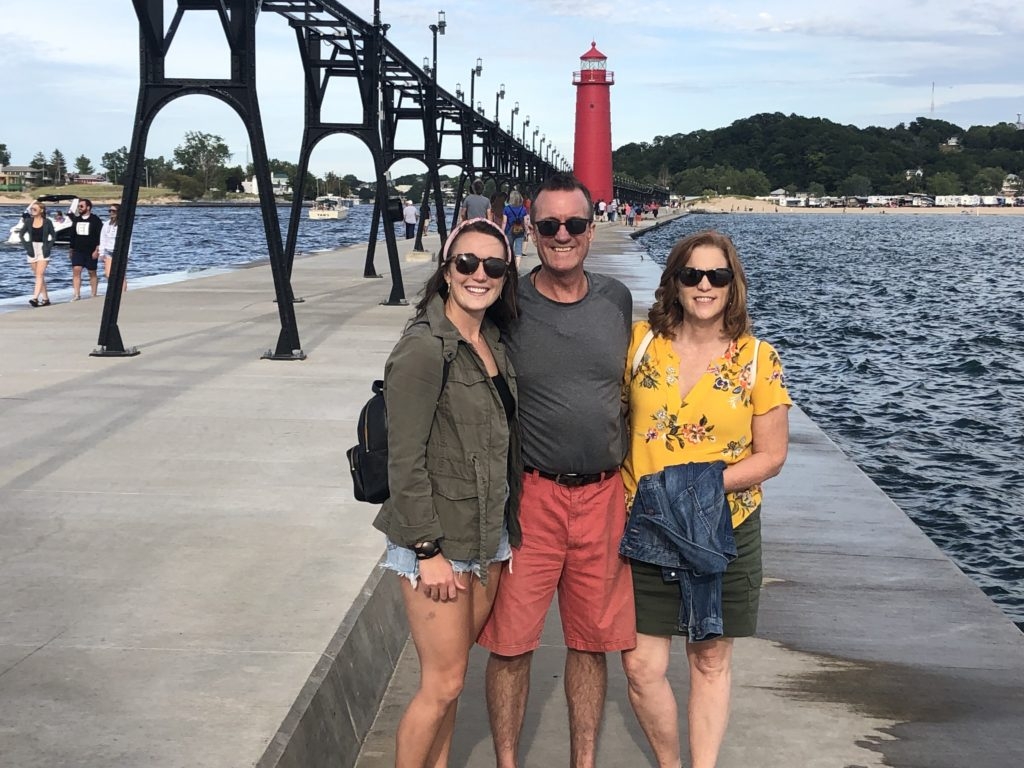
(37, 236)
(516, 223)
(496, 212)
(108, 237)
(410, 215)
(475, 205)
(86, 228)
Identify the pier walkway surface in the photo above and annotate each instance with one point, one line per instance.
(186, 580)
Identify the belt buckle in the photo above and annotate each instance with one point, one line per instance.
(569, 480)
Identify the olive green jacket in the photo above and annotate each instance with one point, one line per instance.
(449, 459)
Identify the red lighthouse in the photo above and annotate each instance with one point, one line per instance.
(592, 159)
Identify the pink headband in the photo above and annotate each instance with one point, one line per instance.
(459, 229)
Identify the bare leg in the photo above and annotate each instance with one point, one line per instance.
(442, 633)
(710, 681)
(94, 282)
(586, 682)
(76, 281)
(481, 599)
(41, 280)
(650, 693)
(508, 688)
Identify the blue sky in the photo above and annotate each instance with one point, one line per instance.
(679, 67)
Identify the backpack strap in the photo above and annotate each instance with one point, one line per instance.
(645, 342)
(753, 365)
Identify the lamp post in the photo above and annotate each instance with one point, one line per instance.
(497, 100)
(459, 93)
(542, 140)
(526, 124)
(426, 65)
(512, 122)
(434, 29)
(477, 70)
(480, 108)
(533, 144)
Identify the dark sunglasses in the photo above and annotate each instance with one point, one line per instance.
(719, 278)
(574, 226)
(467, 263)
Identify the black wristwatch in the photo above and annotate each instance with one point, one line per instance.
(427, 549)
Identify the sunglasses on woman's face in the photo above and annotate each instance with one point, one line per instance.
(719, 278)
(550, 227)
(467, 263)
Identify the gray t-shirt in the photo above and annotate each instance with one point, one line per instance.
(476, 206)
(569, 361)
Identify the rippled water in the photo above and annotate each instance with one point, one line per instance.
(903, 338)
(171, 239)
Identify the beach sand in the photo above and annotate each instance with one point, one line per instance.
(750, 205)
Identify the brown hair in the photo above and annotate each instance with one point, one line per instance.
(666, 314)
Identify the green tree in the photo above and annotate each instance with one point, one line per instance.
(855, 185)
(988, 181)
(5, 156)
(201, 155)
(943, 183)
(58, 167)
(38, 161)
(84, 165)
(116, 163)
(816, 189)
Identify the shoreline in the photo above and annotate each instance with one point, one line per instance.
(722, 205)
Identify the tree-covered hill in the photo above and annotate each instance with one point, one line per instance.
(813, 155)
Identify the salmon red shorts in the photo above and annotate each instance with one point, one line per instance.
(570, 544)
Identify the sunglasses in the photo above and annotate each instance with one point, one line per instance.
(719, 278)
(467, 264)
(550, 227)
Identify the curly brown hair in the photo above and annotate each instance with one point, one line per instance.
(666, 314)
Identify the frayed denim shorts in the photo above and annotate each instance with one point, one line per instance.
(402, 560)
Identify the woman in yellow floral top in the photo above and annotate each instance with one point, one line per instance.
(699, 396)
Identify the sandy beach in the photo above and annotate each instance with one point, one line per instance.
(750, 205)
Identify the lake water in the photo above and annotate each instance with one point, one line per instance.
(902, 339)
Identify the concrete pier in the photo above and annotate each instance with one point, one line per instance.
(186, 580)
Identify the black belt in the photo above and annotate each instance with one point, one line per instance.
(572, 480)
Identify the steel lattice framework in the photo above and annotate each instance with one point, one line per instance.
(333, 43)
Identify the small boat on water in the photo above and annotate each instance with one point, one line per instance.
(61, 222)
(330, 207)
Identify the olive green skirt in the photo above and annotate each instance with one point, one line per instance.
(657, 601)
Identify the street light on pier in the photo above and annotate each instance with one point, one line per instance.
(459, 93)
(434, 30)
(477, 70)
(533, 144)
(543, 138)
(512, 122)
(497, 100)
(426, 66)
(480, 108)
(526, 124)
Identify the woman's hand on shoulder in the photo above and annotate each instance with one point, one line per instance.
(438, 580)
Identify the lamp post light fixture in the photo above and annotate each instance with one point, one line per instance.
(533, 144)
(459, 94)
(512, 121)
(434, 29)
(526, 124)
(497, 100)
(480, 108)
(426, 65)
(477, 70)
(543, 138)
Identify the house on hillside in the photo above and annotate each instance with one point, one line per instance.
(17, 177)
(279, 182)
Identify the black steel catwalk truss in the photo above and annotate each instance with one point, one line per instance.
(333, 43)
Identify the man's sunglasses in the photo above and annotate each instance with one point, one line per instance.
(574, 226)
(719, 278)
(467, 263)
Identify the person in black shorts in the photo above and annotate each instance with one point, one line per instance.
(86, 227)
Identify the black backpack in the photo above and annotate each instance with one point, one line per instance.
(368, 459)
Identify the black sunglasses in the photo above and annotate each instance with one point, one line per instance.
(467, 263)
(719, 278)
(574, 226)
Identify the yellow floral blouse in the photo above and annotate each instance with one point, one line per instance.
(712, 424)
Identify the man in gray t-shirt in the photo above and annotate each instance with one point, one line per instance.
(475, 205)
(568, 349)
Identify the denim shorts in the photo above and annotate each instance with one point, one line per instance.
(402, 560)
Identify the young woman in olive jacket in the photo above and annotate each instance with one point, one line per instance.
(454, 472)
